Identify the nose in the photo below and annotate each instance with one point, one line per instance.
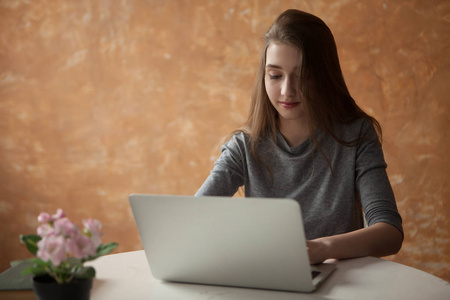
(289, 87)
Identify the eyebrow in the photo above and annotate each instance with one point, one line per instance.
(276, 67)
(273, 66)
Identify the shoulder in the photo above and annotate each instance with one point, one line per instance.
(359, 125)
(361, 128)
(238, 141)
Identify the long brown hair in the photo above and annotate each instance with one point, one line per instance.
(328, 101)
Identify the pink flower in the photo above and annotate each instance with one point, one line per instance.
(52, 248)
(92, 228)
(65, 227)
(81, 246)
(59, 214)
(47, 218)
(44, 230)
(44, 217)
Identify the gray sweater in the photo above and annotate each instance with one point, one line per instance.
(330, 200)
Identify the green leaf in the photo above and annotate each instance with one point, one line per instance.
(102, 250)
(39, 262)
(85, 272)
(30, 242)
(36, 267)
(106, 248)
(72, 262)
(35, 271)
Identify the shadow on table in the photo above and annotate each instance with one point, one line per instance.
(349, 274)
(340, 283)
(100, 284)
(171, 290)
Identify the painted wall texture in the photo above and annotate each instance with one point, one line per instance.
(100, 99)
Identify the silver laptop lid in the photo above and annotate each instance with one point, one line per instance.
(244, 242)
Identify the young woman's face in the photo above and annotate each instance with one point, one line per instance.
(282, 82)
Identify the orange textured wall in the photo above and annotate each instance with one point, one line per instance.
(100, 99)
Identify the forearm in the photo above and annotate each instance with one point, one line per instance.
(380, 239)
(220, 183)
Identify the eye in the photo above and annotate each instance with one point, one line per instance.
(274, 77)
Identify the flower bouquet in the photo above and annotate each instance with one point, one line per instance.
(61, 249)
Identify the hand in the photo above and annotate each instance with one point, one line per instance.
(378, 240)
(317, 250)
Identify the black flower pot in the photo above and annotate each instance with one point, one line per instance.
(46, 288)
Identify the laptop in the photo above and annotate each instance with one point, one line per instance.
(240, 242)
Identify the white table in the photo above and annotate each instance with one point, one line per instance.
(127, 276)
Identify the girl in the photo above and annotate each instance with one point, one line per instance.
(307, 139)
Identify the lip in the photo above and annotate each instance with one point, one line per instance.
(289, 104)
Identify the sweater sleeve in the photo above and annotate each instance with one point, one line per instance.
(372, 183)
(228, 173)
